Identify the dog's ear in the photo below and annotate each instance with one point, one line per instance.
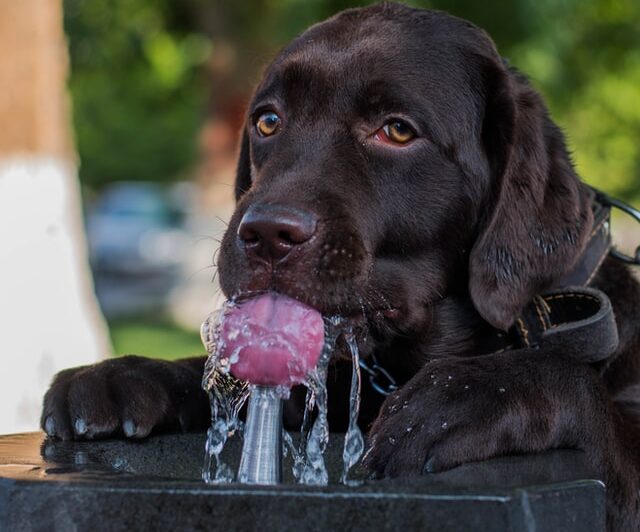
(243, 170)
(538, 214)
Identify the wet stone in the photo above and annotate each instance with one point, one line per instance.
(156, 484)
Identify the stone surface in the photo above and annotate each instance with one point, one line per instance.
(155, 485)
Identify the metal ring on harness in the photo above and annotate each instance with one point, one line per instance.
(627, 209)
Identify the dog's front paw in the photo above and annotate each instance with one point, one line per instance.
(467, 410)
(417, 423)
(128, 396)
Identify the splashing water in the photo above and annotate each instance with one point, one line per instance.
(298, 454)
(228, 394)
(311, 468)
(353, 440)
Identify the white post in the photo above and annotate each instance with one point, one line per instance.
(49, 317)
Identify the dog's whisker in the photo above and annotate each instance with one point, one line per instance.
(214, 257)
(222, 221)
(213, 236)
(223, 184)
(192, 275)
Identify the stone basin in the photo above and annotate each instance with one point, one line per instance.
(155, 485)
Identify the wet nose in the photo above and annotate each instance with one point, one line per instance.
(272, 231)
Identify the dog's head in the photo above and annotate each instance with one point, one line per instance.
(390, 159)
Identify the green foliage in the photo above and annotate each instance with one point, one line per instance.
(584, 56)
(137, 88)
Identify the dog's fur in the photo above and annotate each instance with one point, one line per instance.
(425, 246)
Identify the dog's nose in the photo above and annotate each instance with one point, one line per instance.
(272, 231)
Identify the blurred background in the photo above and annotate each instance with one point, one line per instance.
(133, 107)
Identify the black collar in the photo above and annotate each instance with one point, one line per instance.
(596, 250)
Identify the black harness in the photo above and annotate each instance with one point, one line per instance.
(573, 316)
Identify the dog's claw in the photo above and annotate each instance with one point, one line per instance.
(129, 428)
(50, 426)
(80, 426)
(429, 467)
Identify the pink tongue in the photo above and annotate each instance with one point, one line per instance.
(272, 340)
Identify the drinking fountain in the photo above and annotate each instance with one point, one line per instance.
(272, 342)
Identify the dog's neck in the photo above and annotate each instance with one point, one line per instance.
(458, 330)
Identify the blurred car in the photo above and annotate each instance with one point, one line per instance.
(136, 245)
(133, 229)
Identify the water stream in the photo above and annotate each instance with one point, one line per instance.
(353, 440)
(312, 469)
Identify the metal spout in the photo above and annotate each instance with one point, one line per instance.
(261, 461)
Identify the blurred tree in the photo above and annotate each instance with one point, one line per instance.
(138, 86)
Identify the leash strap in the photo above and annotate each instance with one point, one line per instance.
(578, 321)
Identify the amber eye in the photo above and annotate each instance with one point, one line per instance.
(398, 131)
(268, 123)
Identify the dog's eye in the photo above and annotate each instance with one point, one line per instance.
(395, 132)
(398, 132)
(267, 124)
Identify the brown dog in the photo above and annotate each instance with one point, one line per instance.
(394, 171)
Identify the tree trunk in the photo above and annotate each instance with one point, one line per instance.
(49, 317)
